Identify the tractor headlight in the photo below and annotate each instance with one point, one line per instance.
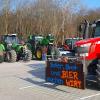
(25, 49)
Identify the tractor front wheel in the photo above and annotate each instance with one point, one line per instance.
(38, 54)
(28, 55)
(11, 56)
(98, 73)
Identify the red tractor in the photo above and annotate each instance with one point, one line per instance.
(69, 43)
(89, 49)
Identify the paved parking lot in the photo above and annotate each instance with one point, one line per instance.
(26, 81)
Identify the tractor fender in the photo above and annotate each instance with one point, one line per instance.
(97, 50)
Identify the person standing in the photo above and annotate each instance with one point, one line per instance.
(44, 52)
(2, 49)
(55, 51)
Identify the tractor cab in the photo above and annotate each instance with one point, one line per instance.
(96, 27)
(10, 39)
(89, 46)
(90, 30)
(69, 43)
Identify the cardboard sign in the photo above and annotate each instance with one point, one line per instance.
(69, 74)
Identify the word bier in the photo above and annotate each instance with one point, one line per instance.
(69, 74)
(71, 79)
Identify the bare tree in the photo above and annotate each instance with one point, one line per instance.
(59, 17)
(6, 7)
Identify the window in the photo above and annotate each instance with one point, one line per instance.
(97, 32)
(11, 39)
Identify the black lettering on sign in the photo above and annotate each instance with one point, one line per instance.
(69, 74)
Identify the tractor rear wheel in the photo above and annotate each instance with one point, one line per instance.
(28, 55)
(38, 54)
(98, 73)
(11, 56)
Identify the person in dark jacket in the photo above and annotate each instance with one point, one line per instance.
(49, 49)
(55, 52)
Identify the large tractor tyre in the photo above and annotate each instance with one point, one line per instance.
(38, 54)
(11, 56)
(98, 73)
(28, 55)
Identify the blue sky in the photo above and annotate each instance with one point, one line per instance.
(91, 4)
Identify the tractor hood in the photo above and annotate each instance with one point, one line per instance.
(90, 40)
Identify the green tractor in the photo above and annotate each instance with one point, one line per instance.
(39, 44)
(14, 49)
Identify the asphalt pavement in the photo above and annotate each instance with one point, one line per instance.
(26, 81)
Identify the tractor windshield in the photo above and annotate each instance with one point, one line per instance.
(38, 38)
(70, 41)
(11, 39)
(97, 31)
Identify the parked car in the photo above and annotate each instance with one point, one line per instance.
(65, 52)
